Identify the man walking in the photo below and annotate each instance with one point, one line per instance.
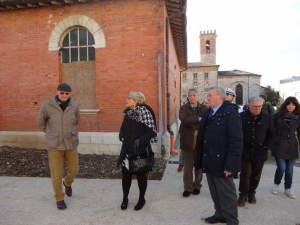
(259, 136)
(58, 118)
(190, 115)
(220, 145)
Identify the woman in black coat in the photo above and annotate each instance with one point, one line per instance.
(138, 128)
(285, 149)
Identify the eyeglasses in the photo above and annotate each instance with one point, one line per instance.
(128, 98)
(64, 93)
(230, 94)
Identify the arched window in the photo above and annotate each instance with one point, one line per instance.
(239, 94)
(207, 46)
(77, 46)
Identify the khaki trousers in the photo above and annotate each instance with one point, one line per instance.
(188, 178)
(56, 160)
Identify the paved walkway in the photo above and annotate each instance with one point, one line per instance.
(97, 201)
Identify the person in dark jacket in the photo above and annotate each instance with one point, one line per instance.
(138, 127)
(220, 144)
(230, 95)
(259, 136)
(190, 115)
(285, 149)
(245, 107)
(267, 108)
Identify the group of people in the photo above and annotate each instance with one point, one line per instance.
(214, 138)
(59, 116)
(228, 142)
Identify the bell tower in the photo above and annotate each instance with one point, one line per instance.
(208, 46)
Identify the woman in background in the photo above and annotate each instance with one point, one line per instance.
(285, 149)
(138, 126)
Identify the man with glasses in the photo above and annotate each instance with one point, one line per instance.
(259, 136)
(230, 95)
(58, 118)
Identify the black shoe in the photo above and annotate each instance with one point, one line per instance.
(124, 204)
(196, 191)
(214, 219)
(140, 204)
(186, 194)
(68, 190)
(61, 204)
(236, 176)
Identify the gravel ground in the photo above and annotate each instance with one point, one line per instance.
(23, 162)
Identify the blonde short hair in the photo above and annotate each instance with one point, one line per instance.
(138, 97)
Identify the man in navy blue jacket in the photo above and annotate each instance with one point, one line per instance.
(220, 145)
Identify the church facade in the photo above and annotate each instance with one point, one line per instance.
(205, 74)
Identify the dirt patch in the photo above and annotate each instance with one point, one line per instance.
(24, 162)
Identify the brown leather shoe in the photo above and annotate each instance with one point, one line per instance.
(68, 190)
(251, 198)
(241, 201)
(186, 194)
(61, 204)
(196, 191)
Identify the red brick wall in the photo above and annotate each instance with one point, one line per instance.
(30, 73)
(174, 82)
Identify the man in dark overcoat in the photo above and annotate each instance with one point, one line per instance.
(190, 115)
(259, 136)
(220, 144)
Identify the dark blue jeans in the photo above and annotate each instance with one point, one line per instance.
(284, 166)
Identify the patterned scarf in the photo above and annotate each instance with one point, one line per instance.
(142, 115)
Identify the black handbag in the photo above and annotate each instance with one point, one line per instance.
(141, 162)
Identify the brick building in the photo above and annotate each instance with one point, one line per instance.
(205, 74)
(103, 49)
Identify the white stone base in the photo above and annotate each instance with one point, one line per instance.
(89, 142)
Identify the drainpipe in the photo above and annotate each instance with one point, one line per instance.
(160, 114)
(172, 151)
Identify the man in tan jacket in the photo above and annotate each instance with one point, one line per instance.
(190, 115)
(58, 118)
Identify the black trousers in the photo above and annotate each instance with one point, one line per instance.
(223, 193)
(127, 179)
(250, 176)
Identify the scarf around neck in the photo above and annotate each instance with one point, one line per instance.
(143, 115)
(291, 116)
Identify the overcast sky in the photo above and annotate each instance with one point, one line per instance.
(257, 36)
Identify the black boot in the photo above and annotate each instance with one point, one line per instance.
(140, 204)
(124, 204)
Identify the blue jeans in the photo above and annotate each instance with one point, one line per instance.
(180, 161)
(284, 166)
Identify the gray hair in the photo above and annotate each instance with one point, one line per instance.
(138, 97)
(192, 90)
(253, 99)
(219, 91)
